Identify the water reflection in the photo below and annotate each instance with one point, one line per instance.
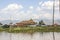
(26, 36)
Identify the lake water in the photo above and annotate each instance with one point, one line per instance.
(26, 36)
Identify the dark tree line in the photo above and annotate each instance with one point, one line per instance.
(4, 26)
(41, 23)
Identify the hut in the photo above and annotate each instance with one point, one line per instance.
(26, 23)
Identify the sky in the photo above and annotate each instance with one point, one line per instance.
(28, 9)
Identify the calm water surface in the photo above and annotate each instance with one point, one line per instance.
(26, 36)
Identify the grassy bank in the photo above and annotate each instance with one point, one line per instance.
(31, 29)
(1, 29)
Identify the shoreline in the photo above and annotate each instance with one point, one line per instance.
(30, 29)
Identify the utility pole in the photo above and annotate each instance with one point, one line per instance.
(59, 6)
(53, 11)
(53, 17)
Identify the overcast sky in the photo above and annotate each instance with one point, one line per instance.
(28, 9)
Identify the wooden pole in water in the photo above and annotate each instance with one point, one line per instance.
(53, 17)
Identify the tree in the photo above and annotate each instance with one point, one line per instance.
(41, 23)
(1, 24)
(6, 26)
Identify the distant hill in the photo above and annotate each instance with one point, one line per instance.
(36, 20)
(9, 21)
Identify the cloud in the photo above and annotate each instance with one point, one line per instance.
(46, 9)
(31, 7)
(1, 18)
(42, 11)
(38, 9)
(40, 3)
(49, 5)
(11, 8)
